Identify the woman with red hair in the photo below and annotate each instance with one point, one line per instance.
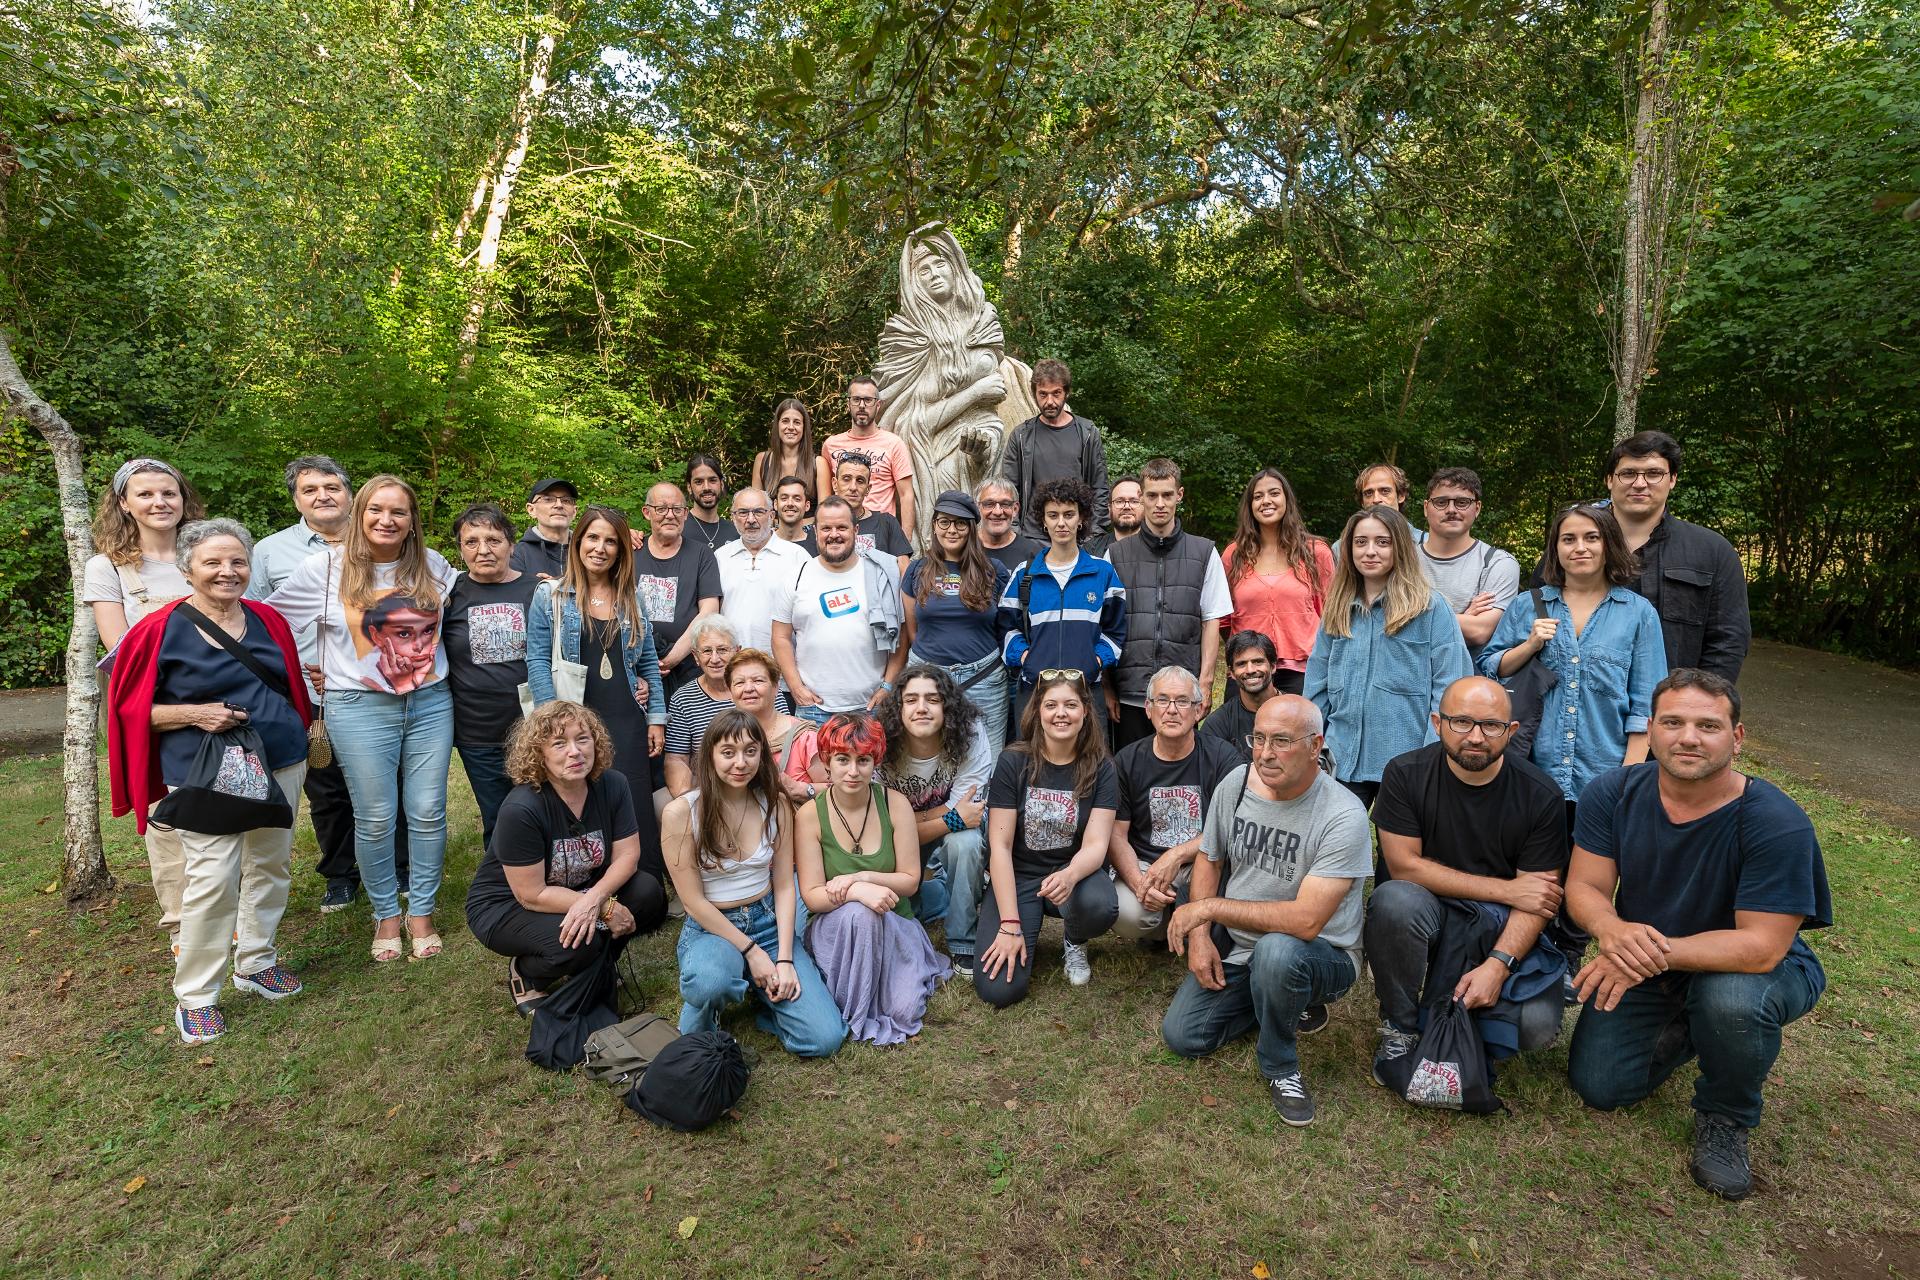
(858, 854)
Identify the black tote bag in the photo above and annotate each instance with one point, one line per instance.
(229, 790)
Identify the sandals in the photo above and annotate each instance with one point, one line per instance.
(526, 998)
(425, 945)
(385, 950)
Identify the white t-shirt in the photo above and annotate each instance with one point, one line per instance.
(162, 580)
(750, 586)
(350, 657)
(832, 638)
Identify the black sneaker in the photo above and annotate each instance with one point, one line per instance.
(1720, 1156)
(1291, 1100)
(1394, 1045)
(339, 896)
(1313, 1018)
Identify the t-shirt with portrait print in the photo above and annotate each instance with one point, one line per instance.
(1050, 821)
(536, 829)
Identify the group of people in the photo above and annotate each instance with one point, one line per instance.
(823, 747)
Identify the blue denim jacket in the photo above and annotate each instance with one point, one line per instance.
(640, 654)
(1606, 684)
(1376, 690)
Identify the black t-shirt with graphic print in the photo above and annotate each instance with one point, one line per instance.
(486, 638)
(536, 829)
(1164, 802)
(1050, 820)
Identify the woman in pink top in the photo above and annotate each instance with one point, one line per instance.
(1278, 573)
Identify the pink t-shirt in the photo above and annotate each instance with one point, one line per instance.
(1283, 606)
(892, 465)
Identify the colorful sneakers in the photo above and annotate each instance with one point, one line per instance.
(197, 1026)
(275, 982)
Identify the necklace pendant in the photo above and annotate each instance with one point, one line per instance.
(856, 849)
(606, 667)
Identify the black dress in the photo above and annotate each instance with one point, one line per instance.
(612, 700)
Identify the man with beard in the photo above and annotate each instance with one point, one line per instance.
(1695, 881)
(891, 490)
(1123, 511)
(1056, 444)
(791, 506)
(1251, 661)
(999, 520)
(829, 625)
(874, 530)
(756, 568)
(1477, 579)
(1385, 485)
(703, 491)
(1474, 839)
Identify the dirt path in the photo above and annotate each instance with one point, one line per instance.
(1850, 726)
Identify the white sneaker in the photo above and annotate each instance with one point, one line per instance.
(1079, 971)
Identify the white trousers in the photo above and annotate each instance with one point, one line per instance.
(168, 864)
(234, 894)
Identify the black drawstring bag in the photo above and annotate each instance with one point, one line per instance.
(1448, 1068)
(1527, 689)
(692, 1083)
(564, 1020)
(229, 789)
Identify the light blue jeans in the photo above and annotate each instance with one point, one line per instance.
(955, 892)
(377, 738)
(713, 974)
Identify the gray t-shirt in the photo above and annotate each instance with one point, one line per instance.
(1479, 568)
(1272, 845)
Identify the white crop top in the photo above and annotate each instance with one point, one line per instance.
(743, 880)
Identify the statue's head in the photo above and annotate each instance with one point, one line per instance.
(933, 270)
(934, 273)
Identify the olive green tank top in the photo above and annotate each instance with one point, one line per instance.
(835, 860)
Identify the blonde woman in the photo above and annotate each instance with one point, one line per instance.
(378, 602)
(1388, 647)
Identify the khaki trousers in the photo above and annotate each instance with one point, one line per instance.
(234, 893)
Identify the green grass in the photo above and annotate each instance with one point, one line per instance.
(385, 1123)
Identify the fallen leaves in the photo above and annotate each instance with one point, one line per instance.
(1208, 1100)
(688, 1225)
(138, 1182)
(646, 1197)
(1261, 1271)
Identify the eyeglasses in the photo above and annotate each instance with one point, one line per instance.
(1064, 673)
(1464, 725)
(558, 499)
(1652, 475)
(863, 399)
(950, 522)
(1164, 703)
(1455, 504)
(665, 511)
(1278, 741)
(751, 513)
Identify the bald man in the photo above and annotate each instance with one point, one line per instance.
(754, 569)
(1475, 843)
(1299, 851)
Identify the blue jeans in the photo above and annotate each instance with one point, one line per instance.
(378, 737)
(1282, 977)
(813, 715)
(988, 693)
(487, 774)
(713, 974)
(1731, 1021)
(953, 895)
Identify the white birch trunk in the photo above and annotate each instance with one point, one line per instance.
(1652, 104)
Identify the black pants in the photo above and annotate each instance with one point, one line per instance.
(1090, 911)
(1133, 725)
(533, 937)
(330, 808)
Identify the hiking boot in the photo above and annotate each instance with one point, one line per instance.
(1312, 1018)
(1720, 1156)
(197, 1026)
(1291, 1100)
(338, 897)
(1079, 970)
(1394, 1045)
(275, 982)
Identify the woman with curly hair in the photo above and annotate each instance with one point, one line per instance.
(859, 864)
(1279, 575)
(1064, 609)
(729, 847)
(561, 879)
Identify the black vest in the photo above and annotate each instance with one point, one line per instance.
(1163, 608)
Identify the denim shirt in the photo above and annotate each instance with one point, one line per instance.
(1607, 674)
(640, 656)
(1376, 690)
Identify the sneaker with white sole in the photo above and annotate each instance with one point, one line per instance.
(197, 1026)
(1079, 968)
(1394, 1045)
(275, 982)
(338, 897)
(1291, 1100)
(963, 967)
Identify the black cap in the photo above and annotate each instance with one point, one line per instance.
(553, 482)
(955, 503)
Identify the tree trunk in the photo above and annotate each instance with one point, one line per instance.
(1635, 322)
(83, 868)
(525, 110)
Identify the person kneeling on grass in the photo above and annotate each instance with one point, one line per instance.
(859, 864)
(561, 879)
(1050, 811)
(1298, 848)
(729, 847)
(1695, 880)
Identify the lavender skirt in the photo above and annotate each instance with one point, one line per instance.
(879, 967)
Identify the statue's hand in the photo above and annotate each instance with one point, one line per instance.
(990, 390)
(979, 443)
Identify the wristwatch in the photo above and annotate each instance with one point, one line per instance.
(1504, 959)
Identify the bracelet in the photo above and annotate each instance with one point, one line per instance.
(748, 949)
(781, 962)
(953, 819)
(1017, 931)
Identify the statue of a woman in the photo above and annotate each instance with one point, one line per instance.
(947, 386)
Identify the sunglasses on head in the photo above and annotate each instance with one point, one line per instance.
(1064, 673)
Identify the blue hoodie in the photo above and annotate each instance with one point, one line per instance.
(1082, 626)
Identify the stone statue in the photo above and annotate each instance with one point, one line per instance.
(948, 388)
